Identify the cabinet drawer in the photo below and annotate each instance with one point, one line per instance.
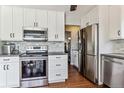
(56, 75)
(57, 57)
(9, 59)
(57, 65)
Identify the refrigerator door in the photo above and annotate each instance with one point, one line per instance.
(91, 39)
(91, 64)
(81, 51)
(91, 48)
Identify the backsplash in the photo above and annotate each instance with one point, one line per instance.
(118, 46)
(52, 46)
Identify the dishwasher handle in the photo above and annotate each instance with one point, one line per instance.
(109, 60)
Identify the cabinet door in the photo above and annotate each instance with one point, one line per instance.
(52, 36)
(6, 23)
(2, 74)
(17, 23)
(41, 18)
(115, 21)
(29, 17)
(60, 26)
(13, 73)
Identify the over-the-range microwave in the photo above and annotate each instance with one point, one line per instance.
(35, 34)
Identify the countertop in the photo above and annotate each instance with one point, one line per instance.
(57, 53)
(114, 55)
(9, 55)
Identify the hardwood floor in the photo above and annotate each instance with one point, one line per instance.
(75, 80)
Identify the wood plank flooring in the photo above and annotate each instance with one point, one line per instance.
(75, 80)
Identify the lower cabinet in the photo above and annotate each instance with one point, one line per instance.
(75, 59)
(57, 68)
(9, 72)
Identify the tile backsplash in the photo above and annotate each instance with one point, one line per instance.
(52, 46)
(118, 46)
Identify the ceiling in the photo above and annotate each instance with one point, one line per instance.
(81, 9)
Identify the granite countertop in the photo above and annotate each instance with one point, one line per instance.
(114, 55)
(9, 55)
(57, 53)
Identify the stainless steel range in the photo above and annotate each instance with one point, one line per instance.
(34, 65)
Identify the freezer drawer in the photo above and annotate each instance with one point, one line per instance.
(113, 72)
(91, 67)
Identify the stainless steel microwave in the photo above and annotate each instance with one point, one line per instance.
(35, 34)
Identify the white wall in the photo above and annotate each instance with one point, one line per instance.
(72, 20)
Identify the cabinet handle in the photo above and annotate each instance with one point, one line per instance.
(4, 67)
(119, 32)
(7, 67)
(87, 23)
(34, 24)
(57, 36)
(6, 59)
(37, 24)
(11, 35)
(58, 74)
(58, 64)
(58, 57)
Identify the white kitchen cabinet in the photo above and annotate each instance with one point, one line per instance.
(2, 74)
(13, 74)
(6, 23)
(9, 72)
(56, 26)
(17, 24)
(90, 18)
(60, 26)
(75, 59)
(115, 22)
(52, 26)
(57, 68)
(29, 17)
(11, 23)
(35, 18)
(41, 18)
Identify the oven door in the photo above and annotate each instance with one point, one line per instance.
(33, 68)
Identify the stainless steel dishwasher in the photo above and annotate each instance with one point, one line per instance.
(113, 72)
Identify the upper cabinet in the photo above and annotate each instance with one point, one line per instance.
(56, 26)
(29, 17)
(14, 20)
(116, 18)
(90, 18)
(35, 18)
(41, 18)
(60, 26)
(11, 23)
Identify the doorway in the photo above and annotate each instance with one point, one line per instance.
(71, 44)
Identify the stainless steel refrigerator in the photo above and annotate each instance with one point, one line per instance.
(88, 52)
